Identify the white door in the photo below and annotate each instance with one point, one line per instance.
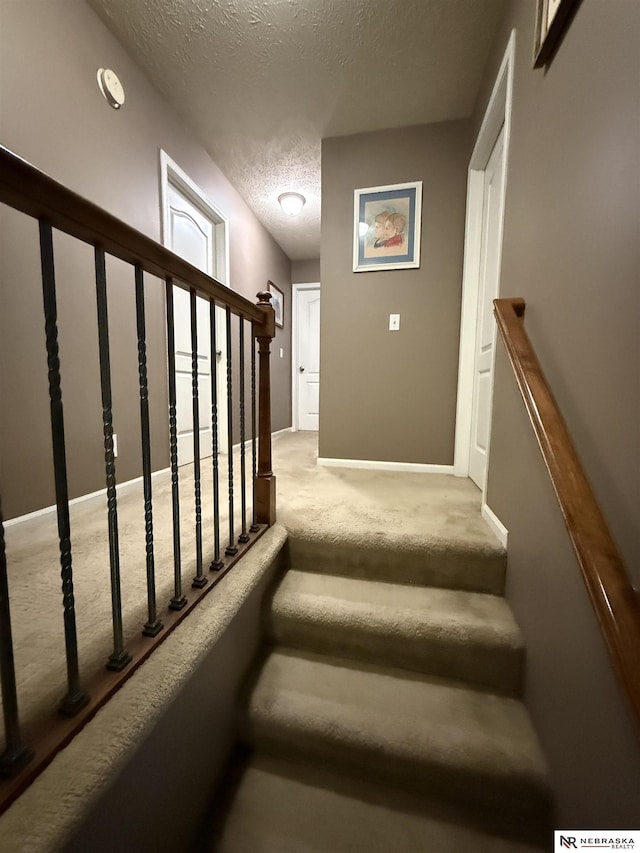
(308, 352)
(485, 331)
(191, 234)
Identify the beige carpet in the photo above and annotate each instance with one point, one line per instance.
(386, 715)
(406, 509)
(382, 507)
(280, 809)
(33, 561)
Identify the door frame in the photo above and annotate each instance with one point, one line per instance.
(172, 174)
(295, 290)
(497, 114)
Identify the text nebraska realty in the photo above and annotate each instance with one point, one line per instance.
(610, 843)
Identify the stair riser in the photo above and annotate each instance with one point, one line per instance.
(443, 567)
(498, 668)
(513, 799)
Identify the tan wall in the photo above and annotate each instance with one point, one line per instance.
(305, 272)
(392, 395)
(52, 114)
(572, 250)
(137, 809)
(281, 365)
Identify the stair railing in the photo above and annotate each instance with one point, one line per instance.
(33, 193)
(614, 600)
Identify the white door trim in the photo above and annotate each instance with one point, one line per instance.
(295, 290)
(170, 172)
(498, 113)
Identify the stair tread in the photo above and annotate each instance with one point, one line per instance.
(390, 715)
(430, 561)
(283, 808)
(412, 611)
(468, 636)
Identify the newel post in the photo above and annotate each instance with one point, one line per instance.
(265, 485)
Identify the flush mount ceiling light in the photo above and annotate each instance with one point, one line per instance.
(291, 203)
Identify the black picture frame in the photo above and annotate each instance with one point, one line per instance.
(277, 301)
(552, 19)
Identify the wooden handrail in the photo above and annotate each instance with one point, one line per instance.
(29, 190)
(614, 600)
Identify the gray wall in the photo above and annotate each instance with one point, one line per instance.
(392, 395)
(572, 250)
(305, 272)
(163, 795)
(53, 115)
(281, 364)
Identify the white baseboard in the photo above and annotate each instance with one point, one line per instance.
(495, 524)
(375, 465)
(273, 435)
(247, 444)
(121, 488)
(281, 432)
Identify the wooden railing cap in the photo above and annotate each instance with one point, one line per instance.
(27, 189)
(614, 600)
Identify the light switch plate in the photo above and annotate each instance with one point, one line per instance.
(394, 322)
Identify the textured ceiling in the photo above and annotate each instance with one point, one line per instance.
(261, 82)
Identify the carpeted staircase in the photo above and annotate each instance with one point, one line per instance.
(386, 716)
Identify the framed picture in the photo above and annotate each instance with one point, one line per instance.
(552, 18)
(386, 227)
(277, 301)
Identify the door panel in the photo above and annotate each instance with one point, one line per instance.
(308, 340)
(192, 236)
(485, 330)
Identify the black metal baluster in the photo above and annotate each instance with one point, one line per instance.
(178, 601)
(119, 657)
(200, 580)
(16, 754)
(217, 563)
(231, 548)
(254, 526)
(244, 536)
(153, 625)
(75, 697)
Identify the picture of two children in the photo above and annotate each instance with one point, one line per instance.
(387, 227)
(389, 231)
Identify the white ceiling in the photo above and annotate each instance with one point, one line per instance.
(261, 82)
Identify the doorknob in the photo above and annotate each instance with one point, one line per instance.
(301, 369)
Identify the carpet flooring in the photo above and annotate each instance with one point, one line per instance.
(385, 713)
(33, 564)
(406, 509)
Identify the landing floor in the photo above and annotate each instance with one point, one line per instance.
(377, 504)
(348, 504)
